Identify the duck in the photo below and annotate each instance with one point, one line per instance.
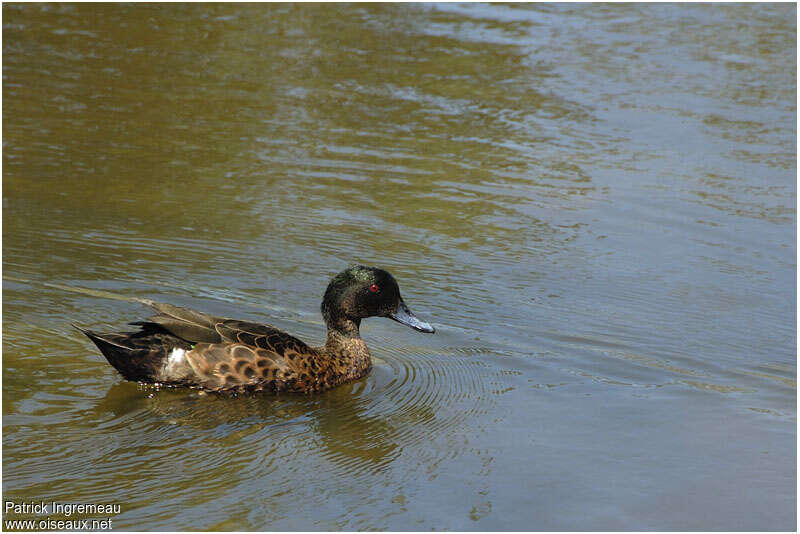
(182, 347)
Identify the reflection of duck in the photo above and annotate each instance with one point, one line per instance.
(340, 423)
(184, 347)
(351, 433)
(202, 411)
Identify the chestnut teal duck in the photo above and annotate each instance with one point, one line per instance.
(183, 347)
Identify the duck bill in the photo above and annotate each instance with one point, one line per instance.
(404, 316)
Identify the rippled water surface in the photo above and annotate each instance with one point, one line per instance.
(594, 205)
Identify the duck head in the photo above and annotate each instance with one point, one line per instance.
(360, 292)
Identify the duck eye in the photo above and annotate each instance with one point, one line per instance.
(374, 288)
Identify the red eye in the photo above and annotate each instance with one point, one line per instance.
(374, 288)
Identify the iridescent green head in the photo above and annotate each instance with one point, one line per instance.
(360, 292)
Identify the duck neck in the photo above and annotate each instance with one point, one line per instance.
(347, 349)
(343, 336)
(343, 327)
(337, 320)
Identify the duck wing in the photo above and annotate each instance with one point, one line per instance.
(254, 357)
(231, 353)
(197, 327)
(191, 325)
(261, 336)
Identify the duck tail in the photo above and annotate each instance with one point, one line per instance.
(134, 361)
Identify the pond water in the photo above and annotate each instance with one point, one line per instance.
(593, 204)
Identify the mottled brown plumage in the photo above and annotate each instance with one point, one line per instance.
(179, 346)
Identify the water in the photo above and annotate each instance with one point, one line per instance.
(593, 204)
